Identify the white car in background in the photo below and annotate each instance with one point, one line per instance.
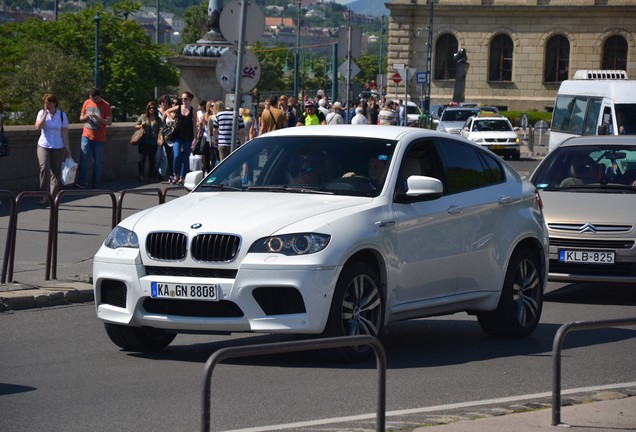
(494, 133)
(333, 231)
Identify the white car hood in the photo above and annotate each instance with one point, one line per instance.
(243, 213)
(506, 134)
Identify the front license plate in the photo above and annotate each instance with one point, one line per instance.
(184, 291)
(594, 257)
(497, 147)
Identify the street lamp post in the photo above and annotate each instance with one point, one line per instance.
(96, 20)
(157, 43)
(429, 72)
(296, 57)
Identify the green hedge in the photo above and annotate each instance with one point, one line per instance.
(533, 116)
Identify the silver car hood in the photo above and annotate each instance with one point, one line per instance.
(589, 207)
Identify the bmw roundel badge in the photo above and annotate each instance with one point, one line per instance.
(196, 226)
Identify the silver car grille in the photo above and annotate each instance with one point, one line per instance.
(173, 246)
(591, 243)
(589, 227)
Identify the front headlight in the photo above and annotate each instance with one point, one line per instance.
(121, 237)
(291, 244)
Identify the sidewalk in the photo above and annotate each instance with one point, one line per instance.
(608, 412)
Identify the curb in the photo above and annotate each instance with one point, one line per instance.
(56, 294)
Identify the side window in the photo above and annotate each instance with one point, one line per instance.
(466, 167)
(421, 159)
(492, 168)
(591, 119)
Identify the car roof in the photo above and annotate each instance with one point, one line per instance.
(490, 117)
(358, 131)
(599, 140)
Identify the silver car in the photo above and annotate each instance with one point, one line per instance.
(588, 187)
(453, 118)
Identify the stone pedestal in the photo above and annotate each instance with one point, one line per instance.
(198, 76)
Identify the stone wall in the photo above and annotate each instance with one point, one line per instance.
(529, 23)
(19, 171)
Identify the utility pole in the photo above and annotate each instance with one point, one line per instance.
(429, 56)
(380, 82)
(349, 69)
(157, 43)
(296, 58)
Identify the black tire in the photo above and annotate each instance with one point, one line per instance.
(357, 308)
(521, 301)
(139, 339)
(516, 155)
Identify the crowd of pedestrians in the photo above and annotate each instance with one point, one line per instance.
(178, 138)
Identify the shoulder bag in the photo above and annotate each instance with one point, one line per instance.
(137, 136)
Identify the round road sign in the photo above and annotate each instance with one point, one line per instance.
(396, 78)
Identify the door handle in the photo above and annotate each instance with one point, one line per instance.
(383, 224)
(505, 200)
(455, 209)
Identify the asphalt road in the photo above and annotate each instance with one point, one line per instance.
(60, 372)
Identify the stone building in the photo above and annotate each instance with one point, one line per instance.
(518, 51)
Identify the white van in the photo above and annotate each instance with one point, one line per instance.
(595, 102)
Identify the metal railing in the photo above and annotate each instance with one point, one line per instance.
(303, 345)
(4, 194)
(556, 355)
(13, 229)
(54, 207)
(52, 269)
(122, 194)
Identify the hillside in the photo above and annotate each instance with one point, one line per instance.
(366, 7)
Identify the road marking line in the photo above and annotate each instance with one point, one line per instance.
(432, 408)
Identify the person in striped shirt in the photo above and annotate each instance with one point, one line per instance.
(222, 129)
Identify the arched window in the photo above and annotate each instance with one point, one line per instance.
(615, 53)
(557, 59)
(445, 66)
(500, 63)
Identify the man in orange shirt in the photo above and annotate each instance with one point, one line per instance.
(97, 114)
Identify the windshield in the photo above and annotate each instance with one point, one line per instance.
(457, 115)
(499, 125)
(588, 166)
(305, 164)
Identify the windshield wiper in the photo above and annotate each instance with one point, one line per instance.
(219, 187)
(285, 188)
(602, 186)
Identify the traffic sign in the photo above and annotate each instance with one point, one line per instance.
(421, 77)
(396, 78)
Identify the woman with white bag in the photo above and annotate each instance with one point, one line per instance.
(53, 145)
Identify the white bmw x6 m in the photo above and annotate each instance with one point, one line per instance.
(330, 230)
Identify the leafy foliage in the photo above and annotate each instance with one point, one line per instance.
(37, 57)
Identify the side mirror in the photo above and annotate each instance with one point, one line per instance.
(192, 179)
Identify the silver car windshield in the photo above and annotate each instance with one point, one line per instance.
(589, 167)
(308, 164)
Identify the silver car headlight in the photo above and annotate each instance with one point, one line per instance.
(291, 244)
(121, 237)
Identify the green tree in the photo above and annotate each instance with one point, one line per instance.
(130, 64)
(195, 19)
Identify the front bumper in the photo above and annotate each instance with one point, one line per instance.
(267, 294)
(623, 270)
